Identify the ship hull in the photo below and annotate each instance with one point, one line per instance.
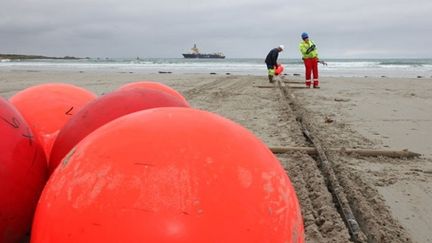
(203, 56)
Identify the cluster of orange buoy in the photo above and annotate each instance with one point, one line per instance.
(136, 165)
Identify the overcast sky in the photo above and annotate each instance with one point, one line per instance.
(239, 28)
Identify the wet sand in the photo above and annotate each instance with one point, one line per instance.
(390, 197)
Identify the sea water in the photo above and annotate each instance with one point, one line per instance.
(236, 66)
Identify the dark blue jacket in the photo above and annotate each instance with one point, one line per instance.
(271, 59)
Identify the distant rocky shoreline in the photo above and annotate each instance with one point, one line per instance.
(26, 57)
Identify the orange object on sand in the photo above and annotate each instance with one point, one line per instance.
(279, 69)
(169, 175)
(23, 173)
(47, 107)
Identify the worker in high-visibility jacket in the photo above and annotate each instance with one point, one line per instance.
(309, 52)
(271, 61)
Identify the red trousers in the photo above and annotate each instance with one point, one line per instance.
(311, 65)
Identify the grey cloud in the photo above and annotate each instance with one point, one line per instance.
(242, 28)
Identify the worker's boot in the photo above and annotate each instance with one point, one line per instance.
(316, 84)
(270, 77)
(308, 83)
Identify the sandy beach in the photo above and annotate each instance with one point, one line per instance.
(390, 197)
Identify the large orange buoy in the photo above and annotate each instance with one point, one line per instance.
(169, 175)
(47, 107)
(23, 173)
(153, 85)
(104, 109)
(279, 69)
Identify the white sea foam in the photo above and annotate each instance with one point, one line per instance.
(336, 67)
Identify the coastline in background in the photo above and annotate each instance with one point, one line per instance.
(408, 68)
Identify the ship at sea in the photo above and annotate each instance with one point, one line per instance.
(196, 54)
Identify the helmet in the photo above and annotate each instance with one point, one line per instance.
(304, 35)
(281, 47)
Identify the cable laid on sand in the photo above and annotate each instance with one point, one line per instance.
(333, 184)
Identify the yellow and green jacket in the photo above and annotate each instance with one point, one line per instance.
(312, 53)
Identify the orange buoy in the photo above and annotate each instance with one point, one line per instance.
(279, 69)
(153, 85)
(169, 175)
(23, 173)
(104, 109)
(47, 107)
